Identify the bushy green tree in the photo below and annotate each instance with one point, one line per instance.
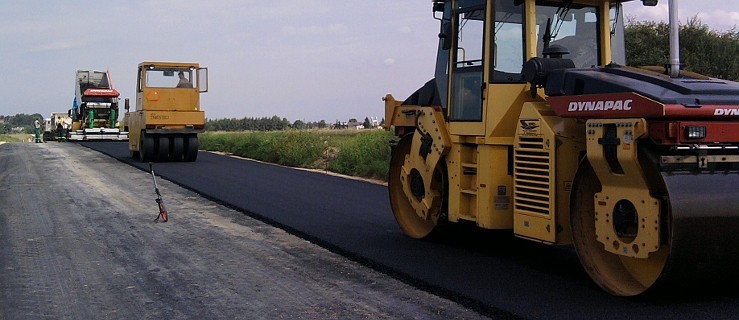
(702, 50)
(299, 125)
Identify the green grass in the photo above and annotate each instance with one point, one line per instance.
(364, 153)
(14, 137)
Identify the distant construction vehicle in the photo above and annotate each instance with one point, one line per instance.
(52, 124)
(165, 125)
(95, 108)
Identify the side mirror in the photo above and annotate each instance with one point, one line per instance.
(203, 79)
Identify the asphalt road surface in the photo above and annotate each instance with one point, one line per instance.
(489, 272)
(78, 241)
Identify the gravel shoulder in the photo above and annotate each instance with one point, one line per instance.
(78, 241)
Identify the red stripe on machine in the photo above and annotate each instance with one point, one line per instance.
(101, 92)
(704, 111)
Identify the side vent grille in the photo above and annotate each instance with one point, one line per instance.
(532, 176)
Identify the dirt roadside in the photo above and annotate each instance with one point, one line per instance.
(78, 241)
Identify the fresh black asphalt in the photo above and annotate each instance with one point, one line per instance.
(499, 276)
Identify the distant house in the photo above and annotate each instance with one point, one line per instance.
(375, 122)
(338, 125)
(354, 124)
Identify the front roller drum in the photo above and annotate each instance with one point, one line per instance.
(411, 222)
(699, 228)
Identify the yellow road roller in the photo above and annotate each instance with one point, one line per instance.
(533, 123)
(165, 125)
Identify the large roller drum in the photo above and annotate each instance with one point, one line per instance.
(411, 222)
(699, 233)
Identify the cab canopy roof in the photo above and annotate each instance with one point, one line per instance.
(170, 64)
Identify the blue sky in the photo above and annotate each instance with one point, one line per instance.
(299, 59)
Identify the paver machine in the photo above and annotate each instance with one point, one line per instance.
(533, 124)
(167, 120)
(95, 108)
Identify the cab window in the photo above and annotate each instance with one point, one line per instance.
(468, 61)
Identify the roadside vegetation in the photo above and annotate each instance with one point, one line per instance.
(362, 153)
(13, 137)
(19, 123)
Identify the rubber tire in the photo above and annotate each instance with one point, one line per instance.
(163, 148)
(177, 149)
(191, 147)
(146, 147)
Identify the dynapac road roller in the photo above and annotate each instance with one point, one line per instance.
(168, 118)
(532, 123)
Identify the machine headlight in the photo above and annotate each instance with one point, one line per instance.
(695, 132)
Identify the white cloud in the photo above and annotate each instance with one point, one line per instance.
(712, 13)
(58, 45)
(722, 20)
(389, 61)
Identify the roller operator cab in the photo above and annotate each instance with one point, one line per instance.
(532, 123)
(165, 125)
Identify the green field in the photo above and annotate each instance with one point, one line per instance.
(364, 153)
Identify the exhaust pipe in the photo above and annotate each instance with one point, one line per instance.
(674, 40)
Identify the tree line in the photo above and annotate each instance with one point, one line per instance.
(21, 120)
(274, 123)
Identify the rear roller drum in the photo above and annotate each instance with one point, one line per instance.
(412, 224)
